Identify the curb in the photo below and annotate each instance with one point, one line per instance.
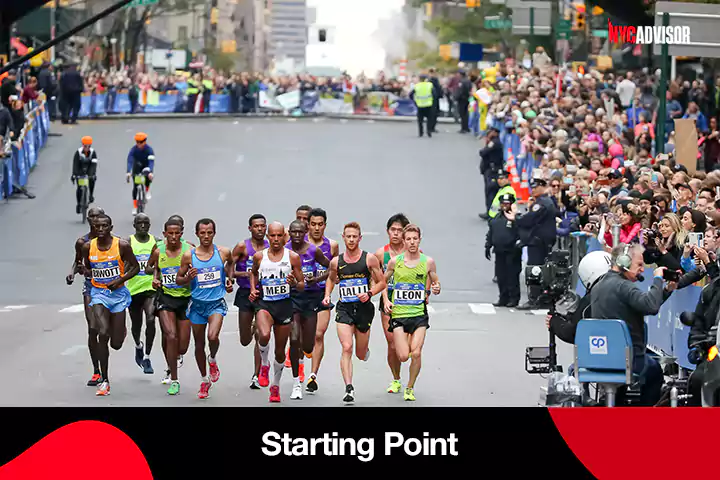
(167, 116)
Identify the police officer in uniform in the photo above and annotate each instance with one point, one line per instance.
(537, 229)
(491, 161)
(192, 92)
(503, 183)
(423, 97)
(503, 237)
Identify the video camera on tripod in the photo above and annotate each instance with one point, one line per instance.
(554, 278)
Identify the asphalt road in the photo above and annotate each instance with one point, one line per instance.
(228, 169)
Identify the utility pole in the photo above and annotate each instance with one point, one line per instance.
(53, 26)
(664, 67)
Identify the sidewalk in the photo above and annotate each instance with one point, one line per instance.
(162, 116)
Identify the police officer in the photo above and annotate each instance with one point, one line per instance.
(192, 92)
(503, 183)
(423, 97)
(491, 162)
(537, 230)
(437, 94)
(503, 237)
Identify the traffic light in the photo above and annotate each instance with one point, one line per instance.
(580, 11)
(472, 3)
(322, 35)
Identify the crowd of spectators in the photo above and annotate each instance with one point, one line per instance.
(592, 138)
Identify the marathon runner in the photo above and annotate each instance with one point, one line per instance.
(243, 259)
(276, 269)
(209, 271)
(330, 248)
(142, 292)
(150, 270)
(301, 213)
(395, 247)
(360, 277)
(172, 299)
(414, 275)
(305, 303)
(78, 266)
(112, 263)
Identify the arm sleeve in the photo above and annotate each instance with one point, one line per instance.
(670, 261)
(649, 302)
(76, 164)
(687, 264)
(130, 160)
(690, 278)
(488, 242)
(531, 218)
(151, 159)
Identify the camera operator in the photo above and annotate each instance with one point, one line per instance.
(616, 297)
(591, 269)
(537, 230)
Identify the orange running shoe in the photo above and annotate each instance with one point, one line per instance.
(264, 378)
(94, 381)
(275, 394)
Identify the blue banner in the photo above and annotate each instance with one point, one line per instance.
(404, 107)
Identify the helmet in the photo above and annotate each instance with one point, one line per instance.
(140, 137)
(86, 140)
(593, 266)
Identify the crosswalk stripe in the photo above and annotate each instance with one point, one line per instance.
(482, 308)
(73, 309)
(2, 310)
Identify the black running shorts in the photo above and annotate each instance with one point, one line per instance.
(176, 305)
(357, 314)
(139, 299)
(281, 311)
(409, 324)
(242, 301)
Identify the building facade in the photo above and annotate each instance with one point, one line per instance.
(288, 24)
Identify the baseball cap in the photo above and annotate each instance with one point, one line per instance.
(682, 185)
(614, 174)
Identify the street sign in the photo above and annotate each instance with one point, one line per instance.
(564, 25)
(537, 13)
(562, 35)
(498, 23)
(600, 33)
(141, 3)
(702, 20)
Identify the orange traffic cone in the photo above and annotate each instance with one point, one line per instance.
(524, 188)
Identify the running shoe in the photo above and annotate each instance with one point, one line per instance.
(264, 378)
(301, 373)
(180, 361)
(166, 379)
(296, 392)
(147, 366)
(204, 391)
(409, 394)
(254, 384)
(94, 380)
(349, 394)
(288, 364)
(139, 355)
(395, 387)
(275, 394)
(103, 389)
(148, 195)
(134, 212)
(312, 385)
(367, 355)
(214, 372)
(174, 388)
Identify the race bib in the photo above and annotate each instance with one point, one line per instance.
(320, 272)
(350, 288)
(249, 265)
(169, 277)
(275, 289)
(105, 272)
(209, 277)
(409, 294)
(143, 261)
(390, 284)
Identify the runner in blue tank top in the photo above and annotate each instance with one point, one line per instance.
(331, 249)
(77, 267)
(305, 303)
(209, 271)
(243, 260)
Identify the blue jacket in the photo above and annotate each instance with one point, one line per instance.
(139, 159)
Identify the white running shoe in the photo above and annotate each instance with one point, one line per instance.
(296, 393)
(180, 361)
(148, 196)
(134, 211)
(166, 379)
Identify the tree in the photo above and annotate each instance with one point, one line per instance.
(420, 57)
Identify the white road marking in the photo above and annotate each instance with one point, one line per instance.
(540, 312)
(16, 307)
(343, 120)
(73, 309)
(240, 159)
(222, 197)
(482, 308)
(73, 350)
(316, 120)
(371, 121)
(235, 122)
(248, 129)
(3, 310)
(292, 119)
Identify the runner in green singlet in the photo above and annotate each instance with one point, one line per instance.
(143, 294)
(415, 277)
(395, 247)
(172, 300)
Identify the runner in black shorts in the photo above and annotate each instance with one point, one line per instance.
(243, 257)
(275, 270)
(360, 277)
(305, 303)
(172, 299)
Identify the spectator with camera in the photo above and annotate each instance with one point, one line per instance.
(664, 245)
(630, 224)
(615, 296)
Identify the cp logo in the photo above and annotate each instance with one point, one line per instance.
(597, 342)
(598, 346)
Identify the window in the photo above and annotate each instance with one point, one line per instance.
(322, 35)
(182, 35)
